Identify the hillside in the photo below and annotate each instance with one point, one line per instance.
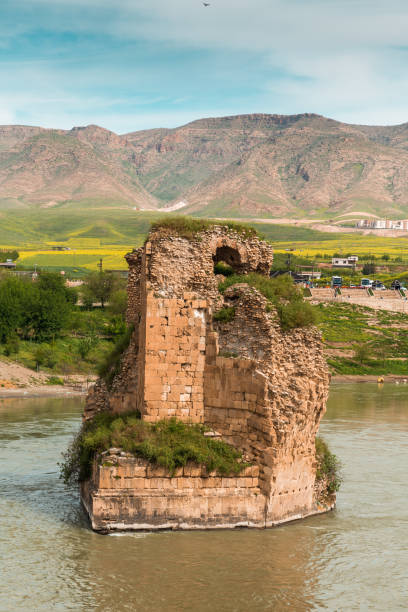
(241, 166)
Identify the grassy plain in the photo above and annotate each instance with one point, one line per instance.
(109, 233)
(92, 233)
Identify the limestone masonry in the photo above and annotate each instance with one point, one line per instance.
(257, 387)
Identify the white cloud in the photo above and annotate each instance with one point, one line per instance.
(342, 58)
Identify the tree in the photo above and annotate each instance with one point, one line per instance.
(14, 293)
(118, 302)
(369, 268)
(362, 353)
(100, 286)
(48, 308)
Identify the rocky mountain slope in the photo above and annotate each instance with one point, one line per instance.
(245, 165)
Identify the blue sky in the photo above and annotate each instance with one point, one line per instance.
(138, 64)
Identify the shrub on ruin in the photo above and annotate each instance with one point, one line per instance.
(110, 366)
(328, 467)
(282, 294)
(169, 443)
(224, 315)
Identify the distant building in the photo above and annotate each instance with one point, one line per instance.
(344, 262)
(401, 225)
(9, 264)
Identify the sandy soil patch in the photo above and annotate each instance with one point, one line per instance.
(18, 381)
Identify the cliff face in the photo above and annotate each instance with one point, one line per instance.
(267, 400)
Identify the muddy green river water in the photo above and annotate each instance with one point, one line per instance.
(355, 558)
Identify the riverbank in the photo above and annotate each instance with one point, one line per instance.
(49, 391)
(367, 378)
(18, 381)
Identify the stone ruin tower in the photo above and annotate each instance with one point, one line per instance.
(259, 388)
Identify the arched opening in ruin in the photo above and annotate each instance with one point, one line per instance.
(226, 261)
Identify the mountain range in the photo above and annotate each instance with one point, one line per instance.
(241, 166)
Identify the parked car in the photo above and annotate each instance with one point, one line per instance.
(378, 285)
(395, 284)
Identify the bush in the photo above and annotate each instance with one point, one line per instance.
(86, 344)
(55, 380)
(282, 294)
(117, 326)
(328, 467)
(224, 315)
(44, 356)
(296, 314)
(168, 443)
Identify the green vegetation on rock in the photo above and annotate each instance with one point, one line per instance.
(328, 467)
(189, 227)
(224, 315)
(282, 294)
(110, 366)
(168, 443)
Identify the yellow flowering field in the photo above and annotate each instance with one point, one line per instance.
(354, 244)
(112, 258)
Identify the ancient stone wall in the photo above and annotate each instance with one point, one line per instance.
(147, 497)
(260, 388)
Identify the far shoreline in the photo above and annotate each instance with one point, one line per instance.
(49, 391)
(367, 378)
(59, 391)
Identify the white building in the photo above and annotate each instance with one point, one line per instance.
(401, 224)
(344, 262)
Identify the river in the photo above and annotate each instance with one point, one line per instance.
(354, 558)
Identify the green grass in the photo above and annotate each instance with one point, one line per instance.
(168, 443)
(370, 367)
(190, 227)
(346, 326)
